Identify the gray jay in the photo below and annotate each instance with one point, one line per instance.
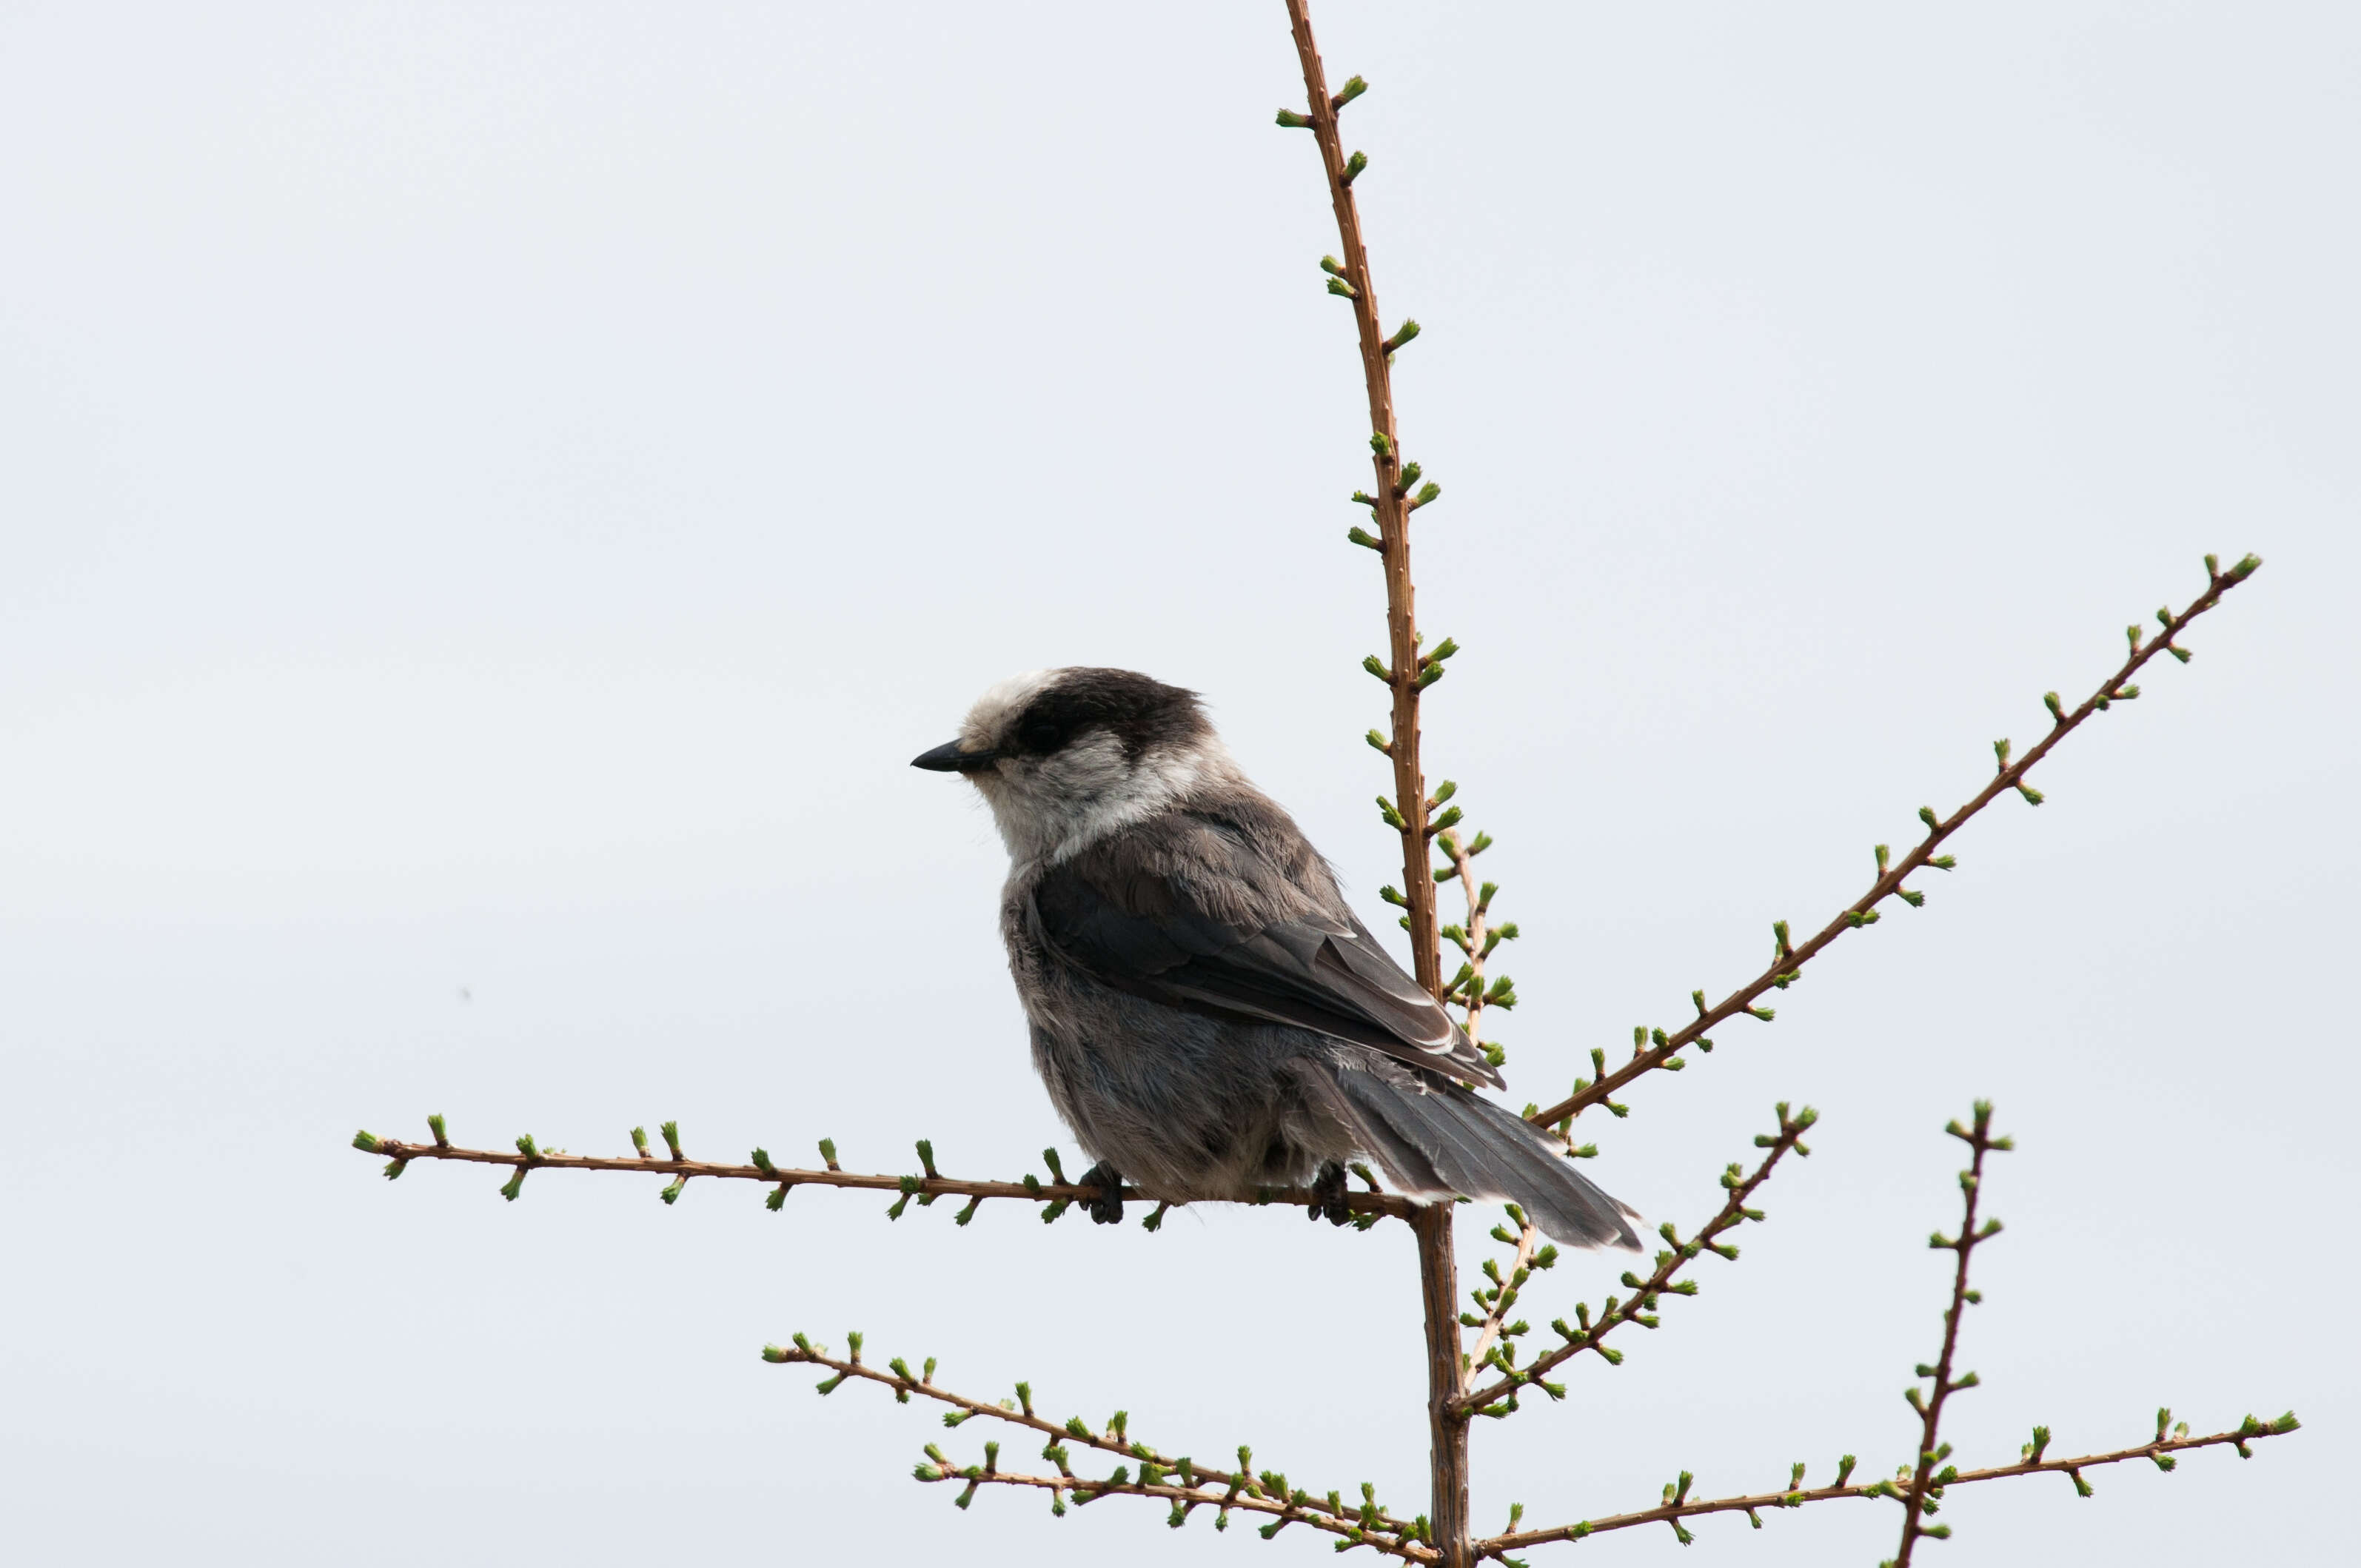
(1208, 1014)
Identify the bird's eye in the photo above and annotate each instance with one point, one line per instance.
(1040, 737)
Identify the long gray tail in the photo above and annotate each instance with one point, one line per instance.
(1435, 1140)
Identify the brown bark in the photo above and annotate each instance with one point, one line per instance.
(1438, 1278)
(1438, 1268)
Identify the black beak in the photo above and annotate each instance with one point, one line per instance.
(947, 758)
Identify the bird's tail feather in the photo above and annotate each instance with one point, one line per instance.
(1448, 1140)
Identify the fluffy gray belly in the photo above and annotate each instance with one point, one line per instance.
(1184, 1105)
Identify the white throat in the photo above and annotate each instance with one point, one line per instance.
(1091, 790)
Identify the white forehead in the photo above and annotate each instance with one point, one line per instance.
(1004, 700)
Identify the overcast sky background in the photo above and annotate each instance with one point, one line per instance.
(491, 496)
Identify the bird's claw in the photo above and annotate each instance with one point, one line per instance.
(1328, 1195)
(1106, 1209)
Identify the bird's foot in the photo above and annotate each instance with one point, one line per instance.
(1106, 1209)
(1328, 1195)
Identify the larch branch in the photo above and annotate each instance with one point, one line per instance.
(1925, 1486)
(1500, 1397)
(1789, 961)
(1505, 1294)
(1267, 1493)
(783, 1179)
(2160, 1451)
(1407, 673)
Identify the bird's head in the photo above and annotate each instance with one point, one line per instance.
(1065, 757)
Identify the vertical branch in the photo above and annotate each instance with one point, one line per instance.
(1390, 502)
(1926, 1484)
(1406, 675)
(1477, 937)
(1438, 1279)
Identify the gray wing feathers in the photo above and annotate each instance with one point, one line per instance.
(1241, 919)
(1478, 1150)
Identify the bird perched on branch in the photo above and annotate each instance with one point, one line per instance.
(1208, 1014)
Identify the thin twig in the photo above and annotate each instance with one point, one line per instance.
(1376, 1203)
(1477, 938)
(2160, 1449)
(1303, 1509)
(1504, 1295)
(1788, 960)
(1201, 1486)
(1500, 1397)
(1923, 1486)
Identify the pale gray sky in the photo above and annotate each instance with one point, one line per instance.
(491, 496)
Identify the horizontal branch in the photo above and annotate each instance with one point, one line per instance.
(1182, 1482)
(528, 1156)
(1499, 1397)
(2160, 1452)
(1789, 961)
